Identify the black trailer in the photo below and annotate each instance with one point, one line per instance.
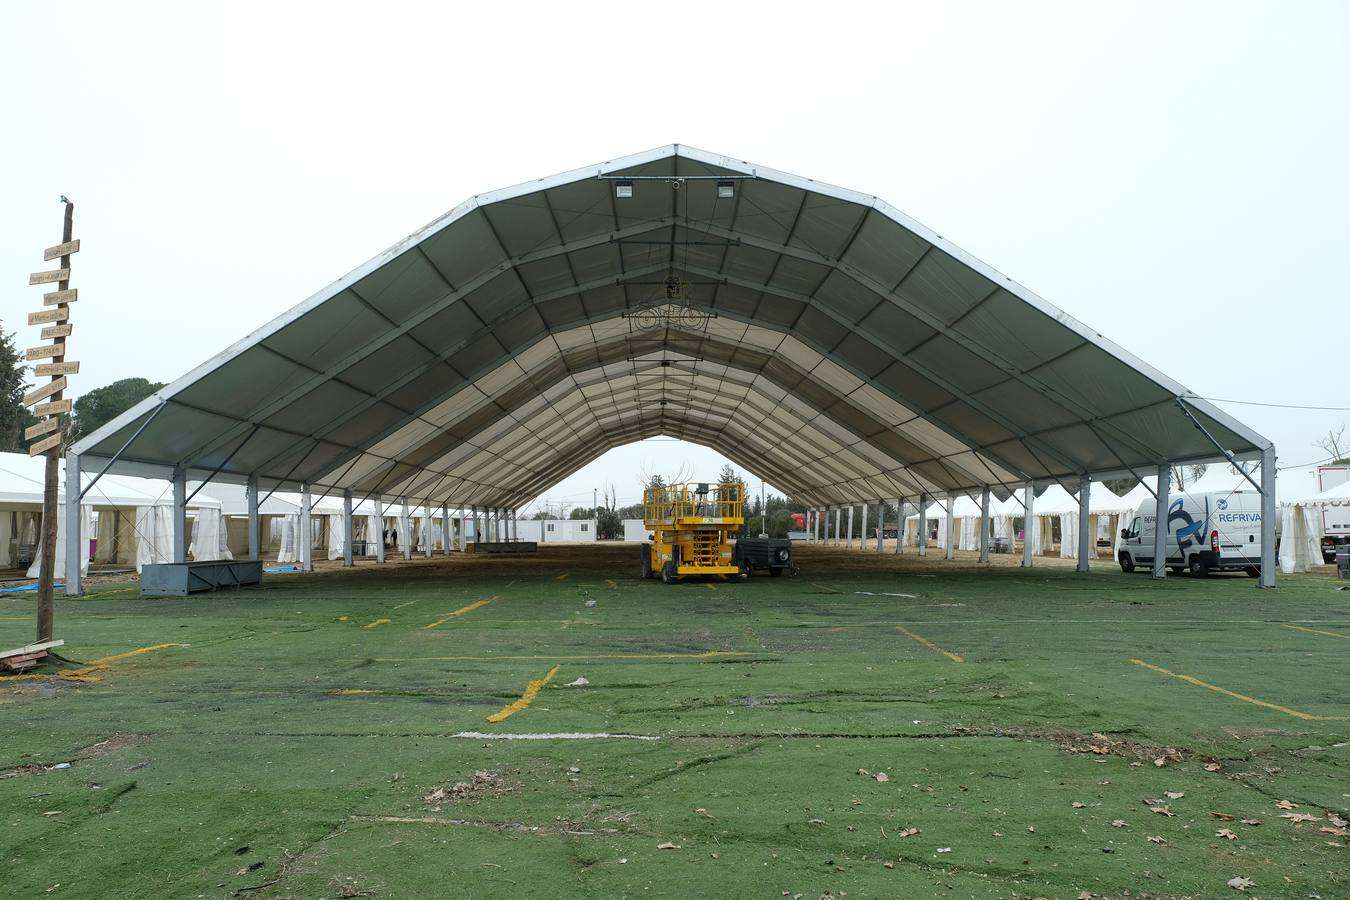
(774, 554)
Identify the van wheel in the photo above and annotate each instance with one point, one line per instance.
(1126, 563)
(1253, 571)
(1198, 568)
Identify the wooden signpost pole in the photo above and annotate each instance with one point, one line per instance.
(52, 402)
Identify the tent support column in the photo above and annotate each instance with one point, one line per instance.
(347, 531)
(1085, 543)
(984, 524)
(74, 520)
(306, 530)
(379, 519)
(1267, 579)
(848, 540)
(899, 524)
(473, 511)
(922, 537)
(445, 528)
(180, 538)
(429, 533)
(405, 531)
(862, 530)
(1160, 530)
(1028, 522)
(254, 532)
(951, 527)
(881, 523)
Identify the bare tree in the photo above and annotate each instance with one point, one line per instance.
(1334, 443)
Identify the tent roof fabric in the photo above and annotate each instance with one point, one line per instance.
(816, 336)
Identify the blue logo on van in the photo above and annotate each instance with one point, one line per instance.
(1222, 505)
(1190, 531)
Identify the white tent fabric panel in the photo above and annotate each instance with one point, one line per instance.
(86, 526)
(154, 527)
(209, 540)
(1300, 538)
(288, 550)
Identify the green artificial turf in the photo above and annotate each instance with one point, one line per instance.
(284, 749)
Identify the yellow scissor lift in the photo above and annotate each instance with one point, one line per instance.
(691, 526)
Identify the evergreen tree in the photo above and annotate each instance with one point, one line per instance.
(101, 405)
(14, 416)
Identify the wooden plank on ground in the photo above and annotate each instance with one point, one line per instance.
(70, 295)
(69, 367)
(49, 276)
(56, 407)
(60, 314)
(54, 386)
(60, 250)
(46, 350)
(41, 428)
(32, 648)
(56, 331)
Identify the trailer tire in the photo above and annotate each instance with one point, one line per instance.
(1126, 563)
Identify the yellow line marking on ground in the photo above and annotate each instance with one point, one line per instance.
(15, 618)
(376, 624)
(344, 618)
(531, 691)
(709, 654)
(346, 691)
(1243, 697)
(710, 587)
(562, 577)
(826, 588)
(1315, 631)
(86, 672)
(927, 643)
(461, 611)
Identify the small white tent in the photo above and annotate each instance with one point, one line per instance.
(1302, 526)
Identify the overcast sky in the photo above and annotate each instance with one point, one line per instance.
(1172, 174)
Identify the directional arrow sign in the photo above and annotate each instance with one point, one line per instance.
(52, 387)
(49, 277)
(59, 250)
(56, 407)
(45, 444)
(56, 331)
(48, 315)
(41, 428)
(46, 350)
(66, 296)
(69, 367)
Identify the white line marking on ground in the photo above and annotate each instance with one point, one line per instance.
(884, 594)
(553, 736)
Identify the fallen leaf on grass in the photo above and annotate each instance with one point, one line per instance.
(907, 832)
(52, 812)
(1084, 895)
(1119, 823)
(882, 776)
(1299, 817)
(1156, 839)
(1226, 833)
(1162, 811)
(1239, 883)
(1031, 828)
(944, 849)
(715, 855)
(1212, 767)
(1223, 817)
(888, 865)
(864, 773)
(1078, 805)
(667, 845)
(1175, 795)
(1285, 804)
(1251, 821)
(1337, 821)
(1339, 832)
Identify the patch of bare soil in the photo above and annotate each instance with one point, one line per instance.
(481, 786)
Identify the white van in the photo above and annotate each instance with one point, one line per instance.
(1218, 532)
